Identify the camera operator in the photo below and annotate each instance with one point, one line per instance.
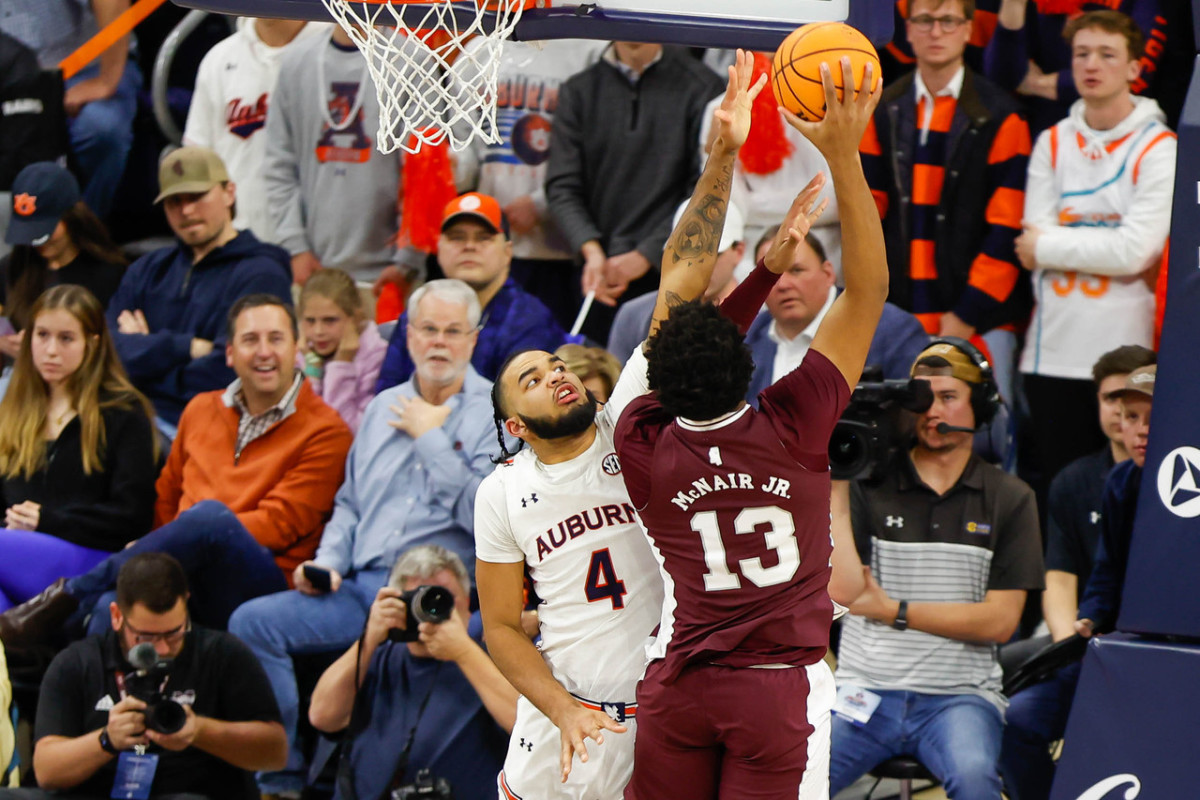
(92, 734)
(437, 703)
(952, 547)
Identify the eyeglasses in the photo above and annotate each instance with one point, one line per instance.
(451, 334)
(925, 23)
(173, 636)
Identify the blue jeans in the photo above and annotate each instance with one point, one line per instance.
(1035, 718)
(32, 561)
(225, 566)
(283, 625)
(957, 738)
(101, 135)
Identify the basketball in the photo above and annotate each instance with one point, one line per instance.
(796, 72)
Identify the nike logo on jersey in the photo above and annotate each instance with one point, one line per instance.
(592, 519)
(731, 480)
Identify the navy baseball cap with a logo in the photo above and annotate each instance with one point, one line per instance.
(41, 194)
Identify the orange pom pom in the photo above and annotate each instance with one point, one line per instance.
(426, 186)
(767, 146)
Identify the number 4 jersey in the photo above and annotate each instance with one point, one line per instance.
(737, 511)
(574, 527)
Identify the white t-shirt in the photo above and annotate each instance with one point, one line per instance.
(574, 526)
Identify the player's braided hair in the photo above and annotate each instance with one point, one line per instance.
(498, 415)
(698, 363)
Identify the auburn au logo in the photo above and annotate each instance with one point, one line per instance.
(25, 204)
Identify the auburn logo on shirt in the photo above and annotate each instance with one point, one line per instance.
(333, 144)
(25, 204)
(244, 119)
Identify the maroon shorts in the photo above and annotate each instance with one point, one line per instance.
(724, 732)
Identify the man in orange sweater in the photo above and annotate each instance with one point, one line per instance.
(245, 492)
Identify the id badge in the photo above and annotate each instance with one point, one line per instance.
(855, 705)
(135, 775)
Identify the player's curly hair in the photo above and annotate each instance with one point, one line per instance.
(698, 363)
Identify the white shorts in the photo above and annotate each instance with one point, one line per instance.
(532, 772)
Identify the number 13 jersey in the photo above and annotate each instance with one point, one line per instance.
(737, 511)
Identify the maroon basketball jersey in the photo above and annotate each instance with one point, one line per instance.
(737, 511)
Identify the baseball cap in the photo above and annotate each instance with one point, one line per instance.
(479, 207)
(733, 232)
(41, 194)
(189, 170)
(961, 365)
(1140, 381)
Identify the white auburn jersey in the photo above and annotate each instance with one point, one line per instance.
(591, 565)
(1102, 200)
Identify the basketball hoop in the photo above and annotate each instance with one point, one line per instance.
(409, 46)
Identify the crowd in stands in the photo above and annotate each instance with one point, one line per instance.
(219, 449)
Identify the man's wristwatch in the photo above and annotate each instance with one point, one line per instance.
(106, 743)
(901, 621)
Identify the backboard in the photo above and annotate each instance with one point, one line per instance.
(752, 24)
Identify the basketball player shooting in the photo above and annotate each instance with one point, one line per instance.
(559, 509)
(736, 504)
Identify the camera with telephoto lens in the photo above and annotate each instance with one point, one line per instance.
(424, 786)
(874, 426)
(147, 682)
(423, 604)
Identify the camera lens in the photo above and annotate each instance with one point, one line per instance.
(432, 604)
(848, 449)
(165, 716)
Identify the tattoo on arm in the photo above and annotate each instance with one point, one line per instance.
(673, 299)
(698, 232)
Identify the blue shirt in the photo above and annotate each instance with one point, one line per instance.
(1101, 601)
(400, 492)
(455, 738)
(514, 320)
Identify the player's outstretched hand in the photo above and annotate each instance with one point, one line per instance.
(837, 135)
(577, 725)
(795, 226)
(733, 115)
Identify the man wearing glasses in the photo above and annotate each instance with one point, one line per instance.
(945, 158)
(475, 248)
(91, 732)
(421, 452)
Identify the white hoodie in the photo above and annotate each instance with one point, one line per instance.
(1102, 201)
(229, 111)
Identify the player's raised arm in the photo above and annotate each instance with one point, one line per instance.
(846, 332)
(691, 251)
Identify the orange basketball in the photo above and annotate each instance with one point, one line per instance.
(796, 73)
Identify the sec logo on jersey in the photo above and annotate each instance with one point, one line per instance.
(611, 464)
(531, 139)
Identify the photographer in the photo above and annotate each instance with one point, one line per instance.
(92, 732)
(436, 703)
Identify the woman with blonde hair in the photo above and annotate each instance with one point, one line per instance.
(341, 350)
(78, 455)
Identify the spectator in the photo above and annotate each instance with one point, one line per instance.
(956, 540)
(90, 491)
(57, 239)
(341, 350)
(332, 194)
(798, 302)
(596, 368)
(410, 479)
(632, 323)
(100, 99)
(641, 104)
(474, 248)
(170, 310)
(1028, 53)
(513, 170)
(229, 107)
(444, 679)
(946, 160)
(897, 55)
(1037, 716)
(231, 725)
(1096, 219)
(244, 494)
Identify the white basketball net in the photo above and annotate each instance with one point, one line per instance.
(420, 95)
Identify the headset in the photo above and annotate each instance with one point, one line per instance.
(985, 395)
